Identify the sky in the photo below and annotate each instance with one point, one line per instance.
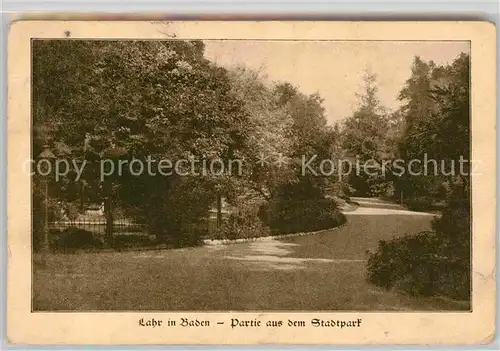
(334, 69)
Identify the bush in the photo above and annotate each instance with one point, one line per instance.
(130, 240)
(293, 216)
(428, 263)
(188, 235)
(75, 238)
(454, 223)
(358, 184)
(241, 225)
(177, 214)
(421, 203)
(341, 189)
(382, 189)
(403, 262)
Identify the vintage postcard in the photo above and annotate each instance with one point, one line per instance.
(218, 182)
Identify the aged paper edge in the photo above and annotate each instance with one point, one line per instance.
(109, 328)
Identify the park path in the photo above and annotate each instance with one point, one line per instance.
(349, 243)
(324, 271)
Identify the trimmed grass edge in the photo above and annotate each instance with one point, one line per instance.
(213, 242)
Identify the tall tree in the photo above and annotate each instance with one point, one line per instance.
(365, 136)
(134, 99)
(436, 118)
(269, 131)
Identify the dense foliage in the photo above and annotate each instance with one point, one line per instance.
(428, 263)
(367, 135)
(163, 100)
(132, 100)
(436, 126)
(300, 207)
(241, 224)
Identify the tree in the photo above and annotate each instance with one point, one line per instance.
(436, 115)
(311, 137)
(365, 136)
(134, 99)
(436, 118)
(269, 131)
(298, 202)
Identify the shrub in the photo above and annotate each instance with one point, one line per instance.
(358, 184)
(453, 229)
(75, 238)
(454, 223)
(293, 216)
(177, 215)
(421, 203)
(405, 263)
(382, 189)
(428, 263)
(245, 223)
(188, 235)
(130, 240)
(341, 189)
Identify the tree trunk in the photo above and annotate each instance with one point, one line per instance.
(219, 210)
(46, 240)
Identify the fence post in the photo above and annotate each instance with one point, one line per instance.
(108, 210)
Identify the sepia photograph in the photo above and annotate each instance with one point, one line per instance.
(216, 175)
(158, 166)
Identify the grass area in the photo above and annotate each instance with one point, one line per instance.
(362, 233)
(210, 278)
(194, 282)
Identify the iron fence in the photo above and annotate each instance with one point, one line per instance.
(98, 226)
